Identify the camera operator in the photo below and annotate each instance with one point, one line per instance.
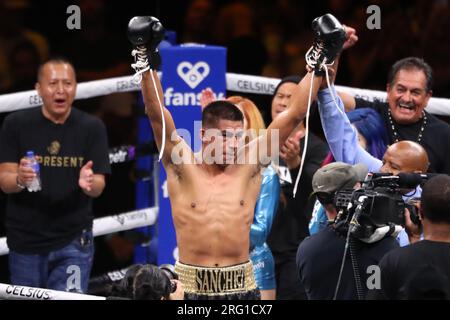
(320, 256)
(422, 270)
(140, 282)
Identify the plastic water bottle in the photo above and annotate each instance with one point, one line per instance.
(35, 185)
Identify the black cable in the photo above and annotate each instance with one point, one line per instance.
(347, 240)
(342, 265)
(356, 274)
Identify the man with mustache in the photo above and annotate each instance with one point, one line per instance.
(408, 92)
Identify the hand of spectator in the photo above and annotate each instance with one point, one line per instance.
(290, 151)
(351, 36)
(25, 174)
(414, 231)
(179, 292)
(86, 177)
(206, 97)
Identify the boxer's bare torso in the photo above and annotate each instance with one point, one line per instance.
(212, 208)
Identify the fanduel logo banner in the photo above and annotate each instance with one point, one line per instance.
(187, 70)
(193, 74)
(192, 69)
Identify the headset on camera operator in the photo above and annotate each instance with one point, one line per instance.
(324, 267)
(139, 282)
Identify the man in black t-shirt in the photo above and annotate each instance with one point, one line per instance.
(408, 92)
(422, 270)
(49, 232)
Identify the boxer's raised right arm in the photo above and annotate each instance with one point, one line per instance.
(145, 33)
(329, 38)
(153, 110)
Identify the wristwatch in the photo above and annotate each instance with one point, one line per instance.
(21, 186)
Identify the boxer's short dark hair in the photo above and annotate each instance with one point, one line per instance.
(220, 110)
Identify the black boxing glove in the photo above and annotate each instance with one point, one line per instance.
(329, 38)
(329, 30)
(145, 33)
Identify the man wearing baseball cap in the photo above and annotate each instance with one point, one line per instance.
(334, 177)
(319, 256)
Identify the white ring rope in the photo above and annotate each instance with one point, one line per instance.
(235, 82)
(111, 224)
(12, 292)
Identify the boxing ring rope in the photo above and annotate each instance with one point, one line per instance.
(12, 292)
(234, 82)
(114, 223)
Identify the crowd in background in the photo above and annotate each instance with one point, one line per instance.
(266, 38)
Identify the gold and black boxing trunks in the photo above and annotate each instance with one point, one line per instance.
(235, 282)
